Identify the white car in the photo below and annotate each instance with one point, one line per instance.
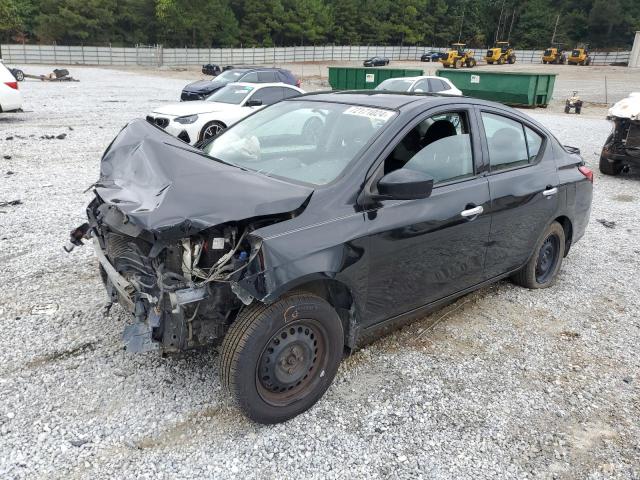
(196, 121)
(10, 96)
(423, 84)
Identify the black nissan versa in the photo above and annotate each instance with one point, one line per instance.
(319, 222)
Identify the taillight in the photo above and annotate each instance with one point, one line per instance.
(587, 172)
(13, 85)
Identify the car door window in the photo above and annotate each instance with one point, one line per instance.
(251, 77)
(435, 85)
(506, 142)
(534, 143)
(267, 77)
(444, 86)
(289, 92)
(268, 95)
(439, 146)
(421, 86)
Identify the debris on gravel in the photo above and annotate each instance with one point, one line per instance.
(506, 383)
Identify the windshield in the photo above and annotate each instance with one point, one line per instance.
(310, 142)
(234, 94)
(395, 85)
(231, 75)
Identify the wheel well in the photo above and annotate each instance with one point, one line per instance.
(568, 232)
(340, 298)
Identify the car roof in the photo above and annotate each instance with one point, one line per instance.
(370, 98)
(258, 86)
(249, 67)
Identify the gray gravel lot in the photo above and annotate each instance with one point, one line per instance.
(505, 383)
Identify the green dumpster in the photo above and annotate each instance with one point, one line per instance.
(350, 78)
(511, 88)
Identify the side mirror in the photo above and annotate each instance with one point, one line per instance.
(253, 103)
(405, 184)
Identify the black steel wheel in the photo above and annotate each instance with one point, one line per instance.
(278, 360)
(548, 257)
(292, 362)
(211, 129)
(541, 271)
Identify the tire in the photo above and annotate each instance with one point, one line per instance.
(541, 271)
(578, 110)
(589, 61)
(278, 342)
(610, 168)
(544, 61)
(511, 59)
(211, 129)
(19, 74)
(567, 109)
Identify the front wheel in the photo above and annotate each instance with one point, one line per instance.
(278, 360)
(211, 129)
(541, 271)
(19, 74)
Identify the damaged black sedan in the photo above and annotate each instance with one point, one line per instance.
(320, 222)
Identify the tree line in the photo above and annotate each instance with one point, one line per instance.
(266, 23)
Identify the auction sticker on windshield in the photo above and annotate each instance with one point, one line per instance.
(372, 113)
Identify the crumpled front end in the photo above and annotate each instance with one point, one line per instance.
(181, 293)
(174, 232)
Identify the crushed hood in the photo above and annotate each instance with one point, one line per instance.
(194, 108)
(627, 107)
(173, 190)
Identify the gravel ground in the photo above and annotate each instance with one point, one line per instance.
(505, 383)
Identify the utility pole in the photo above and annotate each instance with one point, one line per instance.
(464, 5)
(554, 29)
(513, 17)
(500, 20)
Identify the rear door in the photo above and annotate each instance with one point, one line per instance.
(523, 181)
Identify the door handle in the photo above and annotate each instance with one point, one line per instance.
(550, 191)
(472, 212)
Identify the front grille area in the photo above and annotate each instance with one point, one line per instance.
(159, 121)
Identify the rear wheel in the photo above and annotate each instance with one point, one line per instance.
(511, 59)
(278, 360)
(541, 271)
(211, 129)
(19, 74)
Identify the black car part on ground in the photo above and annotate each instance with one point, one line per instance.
(622, 147)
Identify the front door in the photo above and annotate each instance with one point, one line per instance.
(424, 250)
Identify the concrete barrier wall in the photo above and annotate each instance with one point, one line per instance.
(159, 56)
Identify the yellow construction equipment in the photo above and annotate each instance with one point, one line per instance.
(500, 53)
(579, 56)
(458, 57)
(554, 55)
